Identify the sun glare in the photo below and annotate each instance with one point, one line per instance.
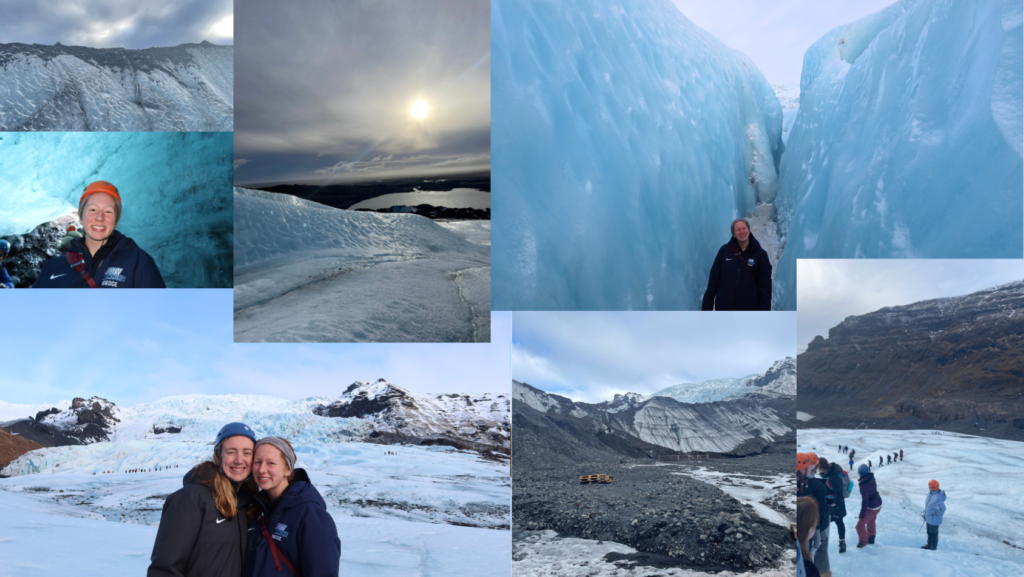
(420, 109)
(225, 27)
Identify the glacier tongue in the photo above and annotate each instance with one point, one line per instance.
(908, 139)
(626, 139)
(186, 88)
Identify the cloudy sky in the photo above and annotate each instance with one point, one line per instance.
(589, 356)
(828, 291)
(775, 34)
(116, 23)
(323, 90)
(136, 346)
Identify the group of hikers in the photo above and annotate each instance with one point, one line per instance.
(248, 511)
(822, 490)
(98, 256)
(150, 470)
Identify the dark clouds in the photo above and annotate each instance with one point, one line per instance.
(592, 356)
(327, 86)
(115, 23)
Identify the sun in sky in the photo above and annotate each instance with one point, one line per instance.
(420, 109)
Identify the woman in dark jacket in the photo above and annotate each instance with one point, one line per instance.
(833, 475)
(870, 505)
(203, 526)
(741, 276)
(291, 533)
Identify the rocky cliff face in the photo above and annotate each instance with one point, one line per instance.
(466, 421)
(74, 88)
(951, 363)
(87, 421)
(778, 381)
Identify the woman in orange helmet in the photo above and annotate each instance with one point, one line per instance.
(104, 257)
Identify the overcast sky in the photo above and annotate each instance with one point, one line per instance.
(828, 291)
(323, 90)
(116, 23)
(136, 346)
(591, 356)
(775, 34)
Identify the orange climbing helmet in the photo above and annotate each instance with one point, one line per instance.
(802, 461)
(933, 485)
(100, 186)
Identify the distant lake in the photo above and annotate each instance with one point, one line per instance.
(457, 198)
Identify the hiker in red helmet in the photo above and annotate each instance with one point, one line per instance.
(104, 257)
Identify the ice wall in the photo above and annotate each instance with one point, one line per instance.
(908, 139)
(625, 140)
(175, 188)
(63, 88)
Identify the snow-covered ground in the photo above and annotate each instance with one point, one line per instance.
(404, 514)
(545, 554)
(455, 198)
(751, 490)
(982, 532)
(305, 272)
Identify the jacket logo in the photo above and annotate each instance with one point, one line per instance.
(53, 276)
(279, 531)
(219, 521)
(750, 261)
(114, 274)
(728, 259)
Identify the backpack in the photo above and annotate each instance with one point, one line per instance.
(844, 480)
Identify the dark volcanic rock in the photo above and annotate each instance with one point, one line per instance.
(30, 251)
(43, 434)
(166, 428)
(432, 212)
(951, 363)
(652, 510)
(87, 421)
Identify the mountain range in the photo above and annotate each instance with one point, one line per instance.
(949, 363)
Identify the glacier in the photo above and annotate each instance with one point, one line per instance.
(308, 272)
(175, 187)
(981, 532)
(908, 140)
(625, 140)
(426, 510)
(186, 88)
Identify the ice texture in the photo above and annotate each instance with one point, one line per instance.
(175, 188)
(186, 88)
(309, 272)
(981, 532)
(908, 139)
(625, 140)
(430, 511)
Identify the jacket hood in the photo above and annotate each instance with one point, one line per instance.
(866, 478)
(754, 246)
(937, 496)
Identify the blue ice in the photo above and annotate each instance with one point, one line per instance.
(908, 140)
(625, 140)
(175, 188)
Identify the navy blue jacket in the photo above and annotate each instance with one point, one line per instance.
(126, 266)
(816, 488)
(731, 286)
(5, 279)
(302, 529)
(834, 482)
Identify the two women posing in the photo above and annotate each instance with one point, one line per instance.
(247, 512)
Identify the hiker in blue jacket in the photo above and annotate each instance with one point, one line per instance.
(291, 533)
(105, 258)
(741, 276)
(834, 480)
(5, 279)
(934, 508)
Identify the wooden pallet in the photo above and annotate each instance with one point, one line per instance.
(587, 479)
